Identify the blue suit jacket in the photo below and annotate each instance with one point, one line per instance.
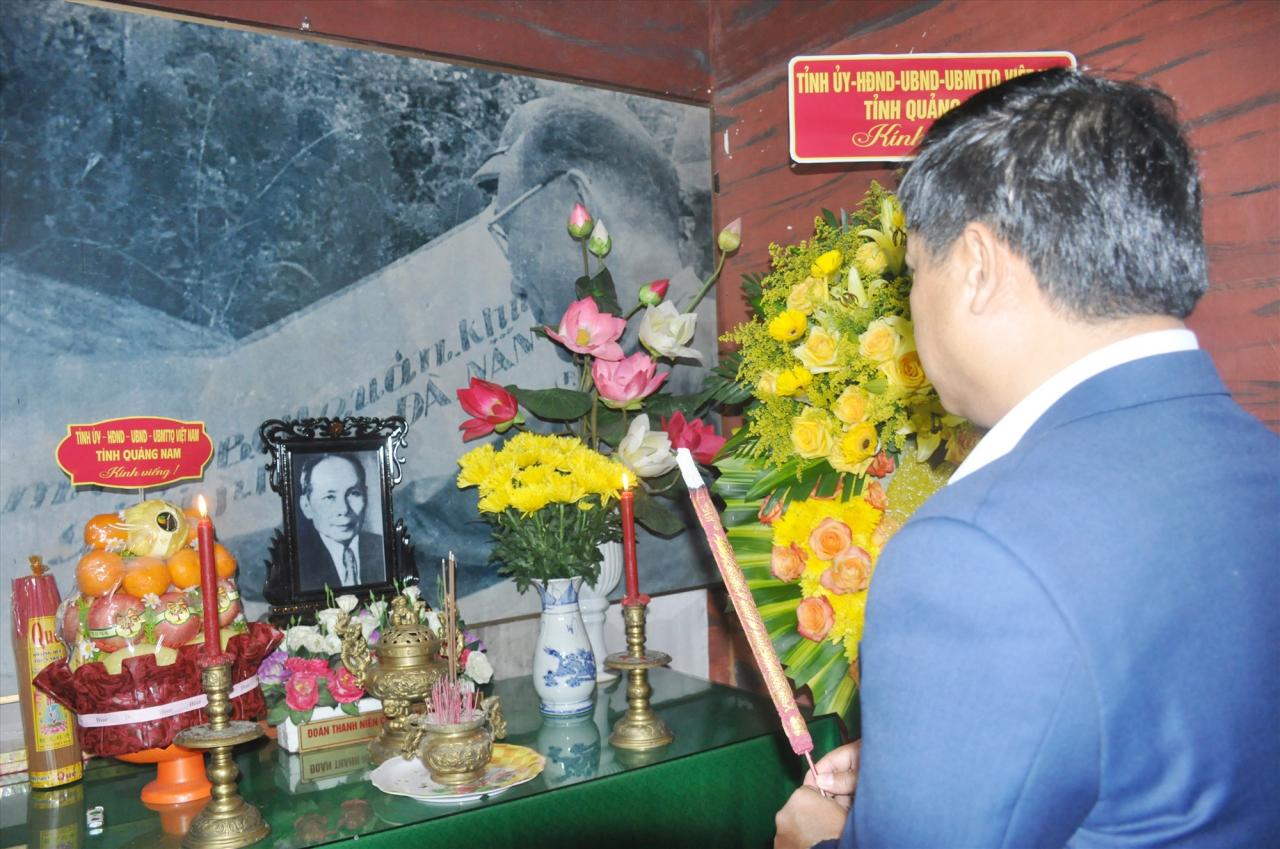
(1079, 644)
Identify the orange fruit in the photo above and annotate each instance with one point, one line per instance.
(99, 572)
(184, 568)
(223, 561)
(145, 575)
(105, 532)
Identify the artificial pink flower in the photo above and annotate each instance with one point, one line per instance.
(586, 330)
(698, 436)
(493, 408)
(580, 222)
(651, 294)
(302, 691)
(314, 666)
(623, 384)
(731, 236)
(343, 686)
(814, 618)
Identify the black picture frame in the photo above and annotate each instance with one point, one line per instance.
(360, 515)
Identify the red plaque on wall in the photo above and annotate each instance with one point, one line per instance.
(876, 108)
(139, 452)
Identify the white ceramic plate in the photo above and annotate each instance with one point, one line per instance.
(509, 766)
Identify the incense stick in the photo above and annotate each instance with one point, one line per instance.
(752, 624)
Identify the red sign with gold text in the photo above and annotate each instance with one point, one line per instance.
(139, 452)
(876, 108)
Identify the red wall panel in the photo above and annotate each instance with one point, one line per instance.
(1217, 59)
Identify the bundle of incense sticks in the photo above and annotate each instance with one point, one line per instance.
(450, 704)
(757, 635)
(449, 586)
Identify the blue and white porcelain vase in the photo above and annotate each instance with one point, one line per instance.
(564, 668)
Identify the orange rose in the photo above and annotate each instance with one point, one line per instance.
(876, 496)
(850, 573)
(961, 443)
(830, 539)
(787, 562)
(887, 528)
(882, 465)
(814, 618)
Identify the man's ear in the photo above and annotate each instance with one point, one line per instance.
(580, 187)
(304, 504)
(986, 266)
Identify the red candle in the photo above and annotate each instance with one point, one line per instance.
(208, 580)
(628, 504)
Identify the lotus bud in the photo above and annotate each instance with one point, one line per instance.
(731, 236)
(599, 242)
(580, 222)
(652, 294)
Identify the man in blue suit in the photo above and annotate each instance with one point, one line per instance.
(1077, 641)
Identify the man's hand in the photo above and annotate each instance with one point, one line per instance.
(837, 773)
(808, 818)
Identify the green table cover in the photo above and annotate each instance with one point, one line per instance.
(718, 784)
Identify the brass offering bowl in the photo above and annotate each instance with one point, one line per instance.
(400, 670)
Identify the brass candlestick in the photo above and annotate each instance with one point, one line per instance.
(228, 821)
(640, 728)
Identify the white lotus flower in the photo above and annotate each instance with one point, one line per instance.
(647, 453)
(664, 330)
(347, 602)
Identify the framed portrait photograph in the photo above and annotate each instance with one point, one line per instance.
(338, 530)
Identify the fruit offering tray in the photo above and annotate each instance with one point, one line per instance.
(146, 704)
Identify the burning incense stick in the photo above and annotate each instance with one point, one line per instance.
(740, 594)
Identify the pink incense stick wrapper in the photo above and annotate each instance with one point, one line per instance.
(736, 583)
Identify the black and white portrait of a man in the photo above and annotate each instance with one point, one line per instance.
(336, 511)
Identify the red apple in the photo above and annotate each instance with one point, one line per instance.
(69, 628)
(229, 606)
(176, 622)
(115, 620)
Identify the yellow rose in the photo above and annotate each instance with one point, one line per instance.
(818, 353)
(886, 339)
(793, 381)
(827, 264)
(812, 434)
(961, 443)
(788, 325)
(808, 294)
(906, 374)
(851, 406)
(767, 385)
(870, 260)
(855, 449)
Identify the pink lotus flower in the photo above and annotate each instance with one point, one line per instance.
(493, 408)
(302, 691)
(580, 222)
(731, 236)
(698, 436)
(623, 384)
(586, 330)
(651, 294)
(343, 686)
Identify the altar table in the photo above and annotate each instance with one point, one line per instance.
(718, 784)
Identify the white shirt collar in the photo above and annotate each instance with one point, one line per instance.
(1008, 432)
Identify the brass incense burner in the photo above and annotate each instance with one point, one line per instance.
(400, 670)
(459, 752)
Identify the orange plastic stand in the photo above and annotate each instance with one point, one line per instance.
(180, 775)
